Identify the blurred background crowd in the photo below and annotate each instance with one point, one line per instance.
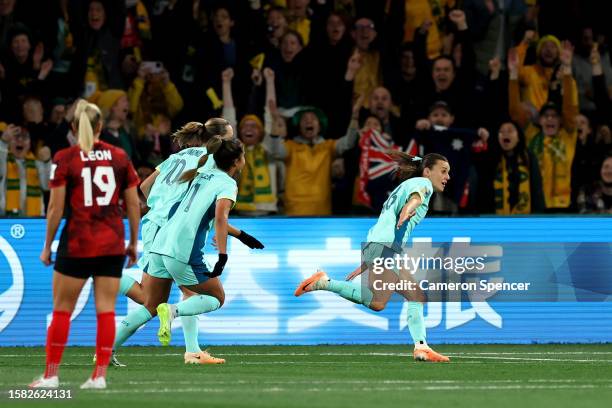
(516, 93)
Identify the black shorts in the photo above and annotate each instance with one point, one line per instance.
(83, 268)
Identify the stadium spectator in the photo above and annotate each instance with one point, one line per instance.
(381, 106)
(61, 49)
(417, 12)
(222, 49)
(553, 138)
(376, 169)
(97, 66)
(57, 111)
(136, 42)
(585, 168)
(407, 89)
(277, 26)
(22, 12)
(369, 73)
(289, 70)
(492, 25)
(299, 21)
(436, 134)
(509, 179)
(25, 72)
(114, 105)
(589, 53)
(23, 177)
(156, 145)
(152, 97)
(61, 136)
(597, 198)
(33, 119)
(308, 159)
(452, 79)
(335, 50)
(258, 184)
(540, 82)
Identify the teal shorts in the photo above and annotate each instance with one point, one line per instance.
(148, 232)
(373, 250)
(165, 267)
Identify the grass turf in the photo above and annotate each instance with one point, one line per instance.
(330, 376)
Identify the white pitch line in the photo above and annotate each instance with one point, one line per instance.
(390, 354)
(568, 360)
(356, 389)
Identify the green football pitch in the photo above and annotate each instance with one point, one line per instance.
(329, 376)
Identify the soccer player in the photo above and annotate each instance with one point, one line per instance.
(177, 251)
(405, 208)
(88, 180)
(163, 190)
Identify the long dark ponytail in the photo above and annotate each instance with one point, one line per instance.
(213, 144)
(409, 166)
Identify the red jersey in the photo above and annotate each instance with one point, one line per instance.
(94, 184)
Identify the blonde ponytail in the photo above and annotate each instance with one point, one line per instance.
(212, 146)
(87, 117)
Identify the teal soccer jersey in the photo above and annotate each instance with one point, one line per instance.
(167, 190)
(385, 231)
(185, 233)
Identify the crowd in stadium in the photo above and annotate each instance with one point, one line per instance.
(517, 94)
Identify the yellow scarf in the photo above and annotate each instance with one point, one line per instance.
(555, 156)
(501, 186)
(13, 188)
(254, 186)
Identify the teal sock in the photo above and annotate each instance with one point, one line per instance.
(130, 324)
(190, 332)
(196, 305)
(125, 284)
(416, 322)
(351, 290)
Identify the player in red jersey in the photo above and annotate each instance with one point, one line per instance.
(88, 181)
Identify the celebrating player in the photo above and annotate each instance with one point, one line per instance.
(89, 179)
(163, 190)
(176, 253)
(406, 206)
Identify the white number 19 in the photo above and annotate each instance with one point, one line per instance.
(106, 186)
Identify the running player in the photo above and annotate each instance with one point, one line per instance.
(177, 251)
(405, 208)
(163, 190)
(88, 181)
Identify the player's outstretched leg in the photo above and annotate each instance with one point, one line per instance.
(416, 325)
(192, 306)
(350, 290)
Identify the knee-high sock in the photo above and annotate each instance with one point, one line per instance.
(104, 343)
(125, 284)
(130, 324)
(57, 335)
(190, 332)
(196, 305)
(350, 290)
(416, 323)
